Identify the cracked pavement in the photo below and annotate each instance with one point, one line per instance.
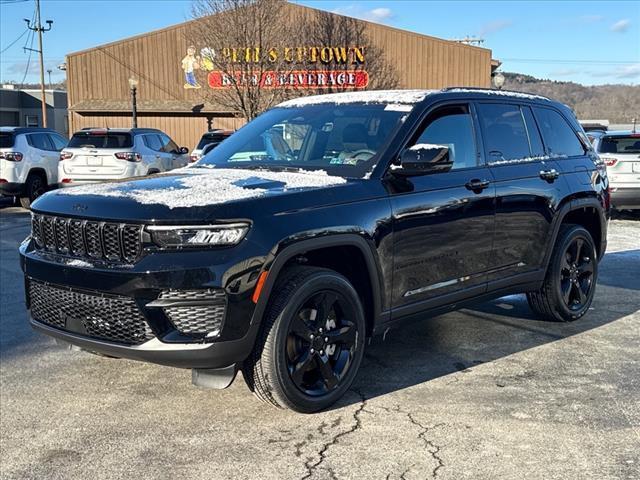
(484, 393)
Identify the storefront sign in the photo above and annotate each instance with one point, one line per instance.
(311, 78)
(296, 79)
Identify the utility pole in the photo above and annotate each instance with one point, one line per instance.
(40, 29)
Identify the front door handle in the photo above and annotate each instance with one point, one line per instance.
(476, 185)
(549, 175)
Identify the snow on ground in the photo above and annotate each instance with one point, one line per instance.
(205, 186)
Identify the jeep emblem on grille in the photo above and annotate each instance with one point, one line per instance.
(78, 207)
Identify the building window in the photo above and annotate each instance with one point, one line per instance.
(66, 124)
(31, 121)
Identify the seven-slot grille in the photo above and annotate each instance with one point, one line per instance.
(115, 242)
(108, 317)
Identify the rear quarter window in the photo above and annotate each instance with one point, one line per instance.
(559, 137)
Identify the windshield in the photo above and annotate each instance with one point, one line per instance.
(100, 140)
(6, 140)
(343, 140)
(620, 144)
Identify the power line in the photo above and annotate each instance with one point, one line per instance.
(15, 41)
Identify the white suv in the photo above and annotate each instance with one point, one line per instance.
(621, 153)
(97, 155)
(28, 161)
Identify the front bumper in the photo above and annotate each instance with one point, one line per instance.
(143, 285)
(625, 198)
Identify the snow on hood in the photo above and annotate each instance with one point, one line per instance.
(382, 97)
(199, 187)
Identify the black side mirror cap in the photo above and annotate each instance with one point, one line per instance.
(423, 159)
(183, 150)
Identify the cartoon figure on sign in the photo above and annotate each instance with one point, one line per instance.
(190, 63)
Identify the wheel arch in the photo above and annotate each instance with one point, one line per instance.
(37, 171)
(313, 252)
(586, 212)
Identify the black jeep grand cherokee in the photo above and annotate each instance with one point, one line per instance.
(323, 222)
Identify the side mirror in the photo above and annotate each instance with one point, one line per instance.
(183, 150)
(424, 159)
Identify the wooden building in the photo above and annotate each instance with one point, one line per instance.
(99, 92)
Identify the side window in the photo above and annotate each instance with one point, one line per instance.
(558, 135)
(168, 145)
(40, 141)
(452, 126)
(153, 142)
(505, 134)
(58, 141)
(535, 141)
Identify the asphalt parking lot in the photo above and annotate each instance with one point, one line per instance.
(484, 393)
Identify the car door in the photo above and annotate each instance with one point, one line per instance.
(45, 156)
(528, 190)
(443, 222)
(160, 160)
(176, 159)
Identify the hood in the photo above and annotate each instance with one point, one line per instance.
(186, 189)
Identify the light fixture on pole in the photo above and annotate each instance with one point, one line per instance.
(498, 80)
(133, 86)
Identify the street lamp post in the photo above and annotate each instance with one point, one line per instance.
(133, 86)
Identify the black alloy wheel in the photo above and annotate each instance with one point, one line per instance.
(35, 186)
(570, 282)
(321, 343)
(576, 275)
(311, 341)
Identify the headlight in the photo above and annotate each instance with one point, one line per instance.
(198, 235)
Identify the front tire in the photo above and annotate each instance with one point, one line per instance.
(570, 283)
(35, 186)
(311, 342)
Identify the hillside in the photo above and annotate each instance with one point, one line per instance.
(617, 103)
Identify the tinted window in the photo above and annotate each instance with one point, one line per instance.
(40, 141)
(620, 144)
(535, 141)
(6, 140)
(101, 140)
(153, 142)
(558, 135)
(452, 127)
(208, 138)
(59, 142)
(504, 131)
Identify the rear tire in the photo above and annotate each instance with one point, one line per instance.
(570, 282)
(35, 186)
(311, 341)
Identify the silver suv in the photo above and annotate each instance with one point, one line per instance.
(620, 151)
(28, 161)
(97, 155)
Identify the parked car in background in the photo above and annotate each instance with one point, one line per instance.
(620, 150)
(97, 155)
(211, 140)
(326, 220)
(29, 161)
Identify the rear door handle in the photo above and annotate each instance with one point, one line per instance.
(549, 175)
(476, 185)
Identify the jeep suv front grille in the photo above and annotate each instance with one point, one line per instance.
(106, 317)
(113, 242)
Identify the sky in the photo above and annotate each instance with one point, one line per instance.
(589, 42)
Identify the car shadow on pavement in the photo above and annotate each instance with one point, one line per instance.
(456, 342)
